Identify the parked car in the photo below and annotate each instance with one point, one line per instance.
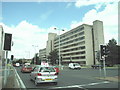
(56, 69)
(42, 74)
(74, 66)
(26, 68)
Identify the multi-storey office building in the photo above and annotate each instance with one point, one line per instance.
(81, 43)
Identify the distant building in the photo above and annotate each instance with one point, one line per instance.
(2, 53)
(50, 43)
(42, 54)
(80, 44)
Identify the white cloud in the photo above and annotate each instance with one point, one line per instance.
(75, 24)
(81, 3)
(24, 35)
(109, 16)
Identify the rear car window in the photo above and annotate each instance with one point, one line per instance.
(47, 69)
(76, 64)
(27, 66)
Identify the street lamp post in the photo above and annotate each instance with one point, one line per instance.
(59, 47)
(35, 53)
(28, 54)
(59, 51)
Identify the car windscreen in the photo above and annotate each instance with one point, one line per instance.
(47, 69)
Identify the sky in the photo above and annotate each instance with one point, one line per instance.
(30, 22)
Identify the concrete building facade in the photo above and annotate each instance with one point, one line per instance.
(79, 44)
(42, 54)
(2, 52)
(50, 43)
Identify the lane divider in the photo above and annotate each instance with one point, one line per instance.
(19, 80)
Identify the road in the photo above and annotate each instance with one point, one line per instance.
(83, 79)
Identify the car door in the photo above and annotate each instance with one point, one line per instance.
(72, 65)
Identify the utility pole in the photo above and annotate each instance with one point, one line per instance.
(35, 53)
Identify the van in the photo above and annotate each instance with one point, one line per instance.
(74, 66)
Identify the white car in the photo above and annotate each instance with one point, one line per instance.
(74, 66)
(27, 64)
(42, 74)
(17, 64)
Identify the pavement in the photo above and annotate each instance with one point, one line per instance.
(114, 79)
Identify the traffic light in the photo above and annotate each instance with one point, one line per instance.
(7, 41)
(12, 56)
(103, 50)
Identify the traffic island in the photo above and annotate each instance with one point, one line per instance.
(115, 78)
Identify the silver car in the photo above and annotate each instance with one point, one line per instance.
(42, 74)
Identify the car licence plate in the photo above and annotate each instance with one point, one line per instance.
(48, 79)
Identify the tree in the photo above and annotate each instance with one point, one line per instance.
(53, 56)
(112, 57)
(36, 60)
(112, 43)
(32, 61)
(20, 61)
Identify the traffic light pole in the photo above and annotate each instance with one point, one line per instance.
(103, 55)
(100, 70)
(104, 66)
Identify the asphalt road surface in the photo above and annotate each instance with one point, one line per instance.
(84, 79)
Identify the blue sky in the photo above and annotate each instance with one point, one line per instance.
(44, 14)
(30, 22)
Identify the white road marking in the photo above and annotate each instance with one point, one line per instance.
(19, 80)
(81, 86)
